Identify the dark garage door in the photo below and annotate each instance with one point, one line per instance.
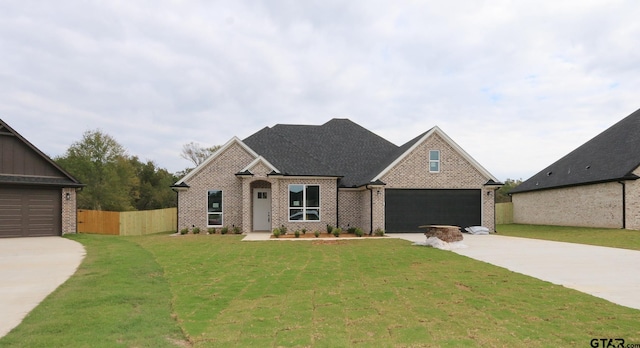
(30, 212)
(406, 209)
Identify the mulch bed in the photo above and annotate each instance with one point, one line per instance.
(310, 235)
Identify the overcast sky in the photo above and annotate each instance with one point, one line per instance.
(517, 84)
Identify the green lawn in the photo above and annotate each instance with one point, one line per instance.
(215, 291)
(616, 238)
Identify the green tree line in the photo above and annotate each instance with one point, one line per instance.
(114, 180)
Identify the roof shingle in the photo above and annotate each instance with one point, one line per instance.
(610, 156)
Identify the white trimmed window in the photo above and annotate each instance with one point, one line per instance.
(304, 202)
(214, 208)
(434, 161)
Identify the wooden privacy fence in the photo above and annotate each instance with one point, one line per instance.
(128, 223)
(504, 213)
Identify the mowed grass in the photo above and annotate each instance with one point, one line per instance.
(216, 291)
(615, 238)
(372, 293)
(118, 297)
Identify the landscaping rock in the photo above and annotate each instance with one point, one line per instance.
(447, 234)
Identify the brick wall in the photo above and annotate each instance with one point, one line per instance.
(218, 174)
(633, 202)
(328, 192)
(597, 205)
(456, 172)
(69, 214)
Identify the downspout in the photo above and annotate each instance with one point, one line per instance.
(337, 204)
(624, 204)
(370, 209)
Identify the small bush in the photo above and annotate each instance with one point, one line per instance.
(184, 230)
(283, 229)
(351, 230)
(276, 232)
(196, 230)
(224, 230)
(211, 230)
(336, 231)
(379, 232)
(237, 230)
(316, 233)
(304, 231)
(358, 232)
(329, 228)
(297, 234)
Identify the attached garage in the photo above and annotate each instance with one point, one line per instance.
(30, 212)
(406, 209)
(37, 197)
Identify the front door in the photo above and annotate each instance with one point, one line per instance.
(261, 209)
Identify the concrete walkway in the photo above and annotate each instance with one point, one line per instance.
(609, 273)
(30, 269)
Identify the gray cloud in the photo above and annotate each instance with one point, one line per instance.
(517, 84)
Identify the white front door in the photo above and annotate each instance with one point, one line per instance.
(261, 209)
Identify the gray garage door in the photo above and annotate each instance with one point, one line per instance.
(30, 212)
(407, 209)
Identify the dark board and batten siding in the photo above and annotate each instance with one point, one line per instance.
(16, 158)
(406, 209)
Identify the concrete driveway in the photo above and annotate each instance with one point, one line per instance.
(30, 269)
(609, 273)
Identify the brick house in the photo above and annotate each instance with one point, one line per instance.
(596, 185)
(339, 174)
(37, 196)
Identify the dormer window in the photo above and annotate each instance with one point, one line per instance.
(434, 161)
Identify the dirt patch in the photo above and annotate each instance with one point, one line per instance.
(327, 242)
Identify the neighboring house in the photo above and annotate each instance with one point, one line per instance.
(337, 174)
(37, 197)
(593, 186)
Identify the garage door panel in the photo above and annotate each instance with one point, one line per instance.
(26, 212)
(406, 209)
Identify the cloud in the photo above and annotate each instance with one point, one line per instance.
(517, 84)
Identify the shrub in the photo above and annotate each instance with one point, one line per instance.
(196, 230)
(224, 230)
(379, 232)
(351, 230)
(283, 229)
(358, 232)
(211, 230)
(236, 230)
(184, 230)
(336, 231)
(297, 234)
(304, 231)
(316, 233)
(329, 228)
(276, 232)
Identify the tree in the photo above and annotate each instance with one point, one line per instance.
(154, 190)
(101, 163)
(197, 154)
(502, 195)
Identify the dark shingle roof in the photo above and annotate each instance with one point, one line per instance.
(339, 148)
(611, 156)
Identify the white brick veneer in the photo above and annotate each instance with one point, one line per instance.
(597, 205)
(69, 211)
(456, 172)
(355, 204)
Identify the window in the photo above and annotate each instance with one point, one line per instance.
(434, 161)
(214, 208)
(304, 202)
